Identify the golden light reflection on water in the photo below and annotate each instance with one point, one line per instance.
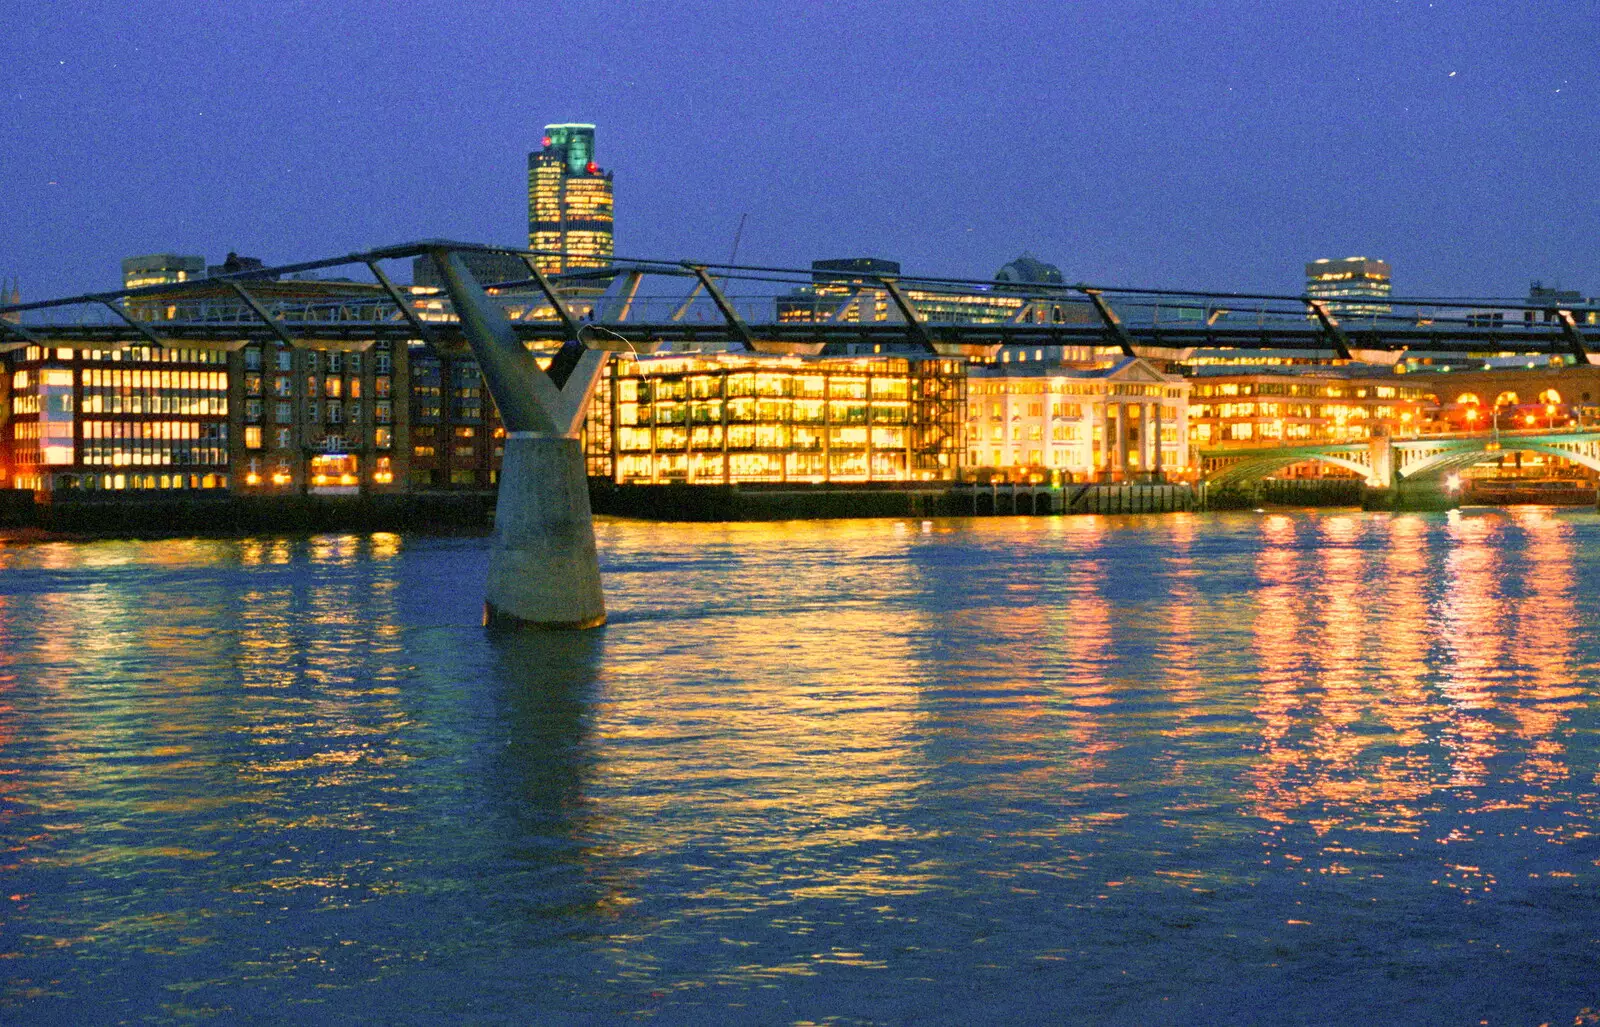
(914, 750)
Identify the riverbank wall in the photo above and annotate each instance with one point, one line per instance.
(774, 502)
(191, 513)
(167, 514)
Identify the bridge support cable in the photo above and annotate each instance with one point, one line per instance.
(12, 328)
(736, 326)
(1115, 330)
(1573, 335)
(262, 315)
(915, 326)
(923, 336)
(138, 326)
(688, 301)
(572, 348)
(544, 571)
(623, 304)
(1331, 329)
(426, 334)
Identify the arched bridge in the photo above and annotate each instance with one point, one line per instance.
(1385, 462)
(544, 570)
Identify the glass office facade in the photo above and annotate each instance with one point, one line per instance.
(730, 418)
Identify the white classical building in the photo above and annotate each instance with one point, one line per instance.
(1123, 422)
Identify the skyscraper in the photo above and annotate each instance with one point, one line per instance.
(1354, 285)
(569, 201)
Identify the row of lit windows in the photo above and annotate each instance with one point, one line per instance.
(1241, 431)
(760, 437)
(336, 412)
(1335, 411)
(190, 381)
(719, 468)
(283, 438)
(1313, 390)
(129, 354)
(796, 411)
(312, 361)
(152, 452)
(1033, 432)
(1069, 387)
(1057, 410)
(166, 430)
(334, 388)
(323, 470)
(183, 443)
(119, 482)
(765, 385)
(195, 393)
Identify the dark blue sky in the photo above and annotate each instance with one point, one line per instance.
(1169, 143)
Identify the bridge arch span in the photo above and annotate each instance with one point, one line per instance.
(1255, 468)
(1582, 453)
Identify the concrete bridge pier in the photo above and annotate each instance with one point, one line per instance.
(544, 571)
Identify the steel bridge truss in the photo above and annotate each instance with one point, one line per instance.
(606, 309)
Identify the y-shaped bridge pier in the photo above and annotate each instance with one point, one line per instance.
(545, 570)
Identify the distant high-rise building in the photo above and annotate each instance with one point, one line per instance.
(569, 201)
(487, 268)
(1354, 285)
(1556, 296)
(161, 269)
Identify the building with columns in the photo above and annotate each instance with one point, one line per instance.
(1122, 422)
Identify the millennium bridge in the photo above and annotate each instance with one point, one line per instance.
(542, 343)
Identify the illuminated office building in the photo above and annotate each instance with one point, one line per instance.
(456, 436)
(161, 269)
(1354, 285)
(569, 201)
(1124, 421)
(1302, 406)
(135, 418)
(324, 416)
(320, 420)
(719, 419)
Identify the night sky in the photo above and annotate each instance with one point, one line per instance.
(1163, 143)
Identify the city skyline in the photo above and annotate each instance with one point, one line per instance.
(1125, 143)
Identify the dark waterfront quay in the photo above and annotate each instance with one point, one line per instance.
(1295, 768)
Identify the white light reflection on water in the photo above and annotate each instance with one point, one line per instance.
(1302, 768)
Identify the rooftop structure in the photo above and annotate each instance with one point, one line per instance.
(161, 269)
(1029, 270)
(1354, 285)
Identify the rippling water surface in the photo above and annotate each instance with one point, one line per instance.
(1301, 768)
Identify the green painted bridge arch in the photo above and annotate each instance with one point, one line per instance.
(1385, 461)
(1224, 467)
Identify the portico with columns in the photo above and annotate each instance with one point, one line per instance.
(1118, 422)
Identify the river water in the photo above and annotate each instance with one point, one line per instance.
(1288, 768)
